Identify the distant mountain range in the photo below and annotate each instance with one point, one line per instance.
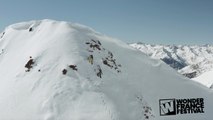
(189, 60)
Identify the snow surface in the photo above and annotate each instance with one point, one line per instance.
(206, 79)
(129, 88)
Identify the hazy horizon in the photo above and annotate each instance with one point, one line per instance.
(153, 22)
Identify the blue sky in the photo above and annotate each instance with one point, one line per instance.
(148, 21)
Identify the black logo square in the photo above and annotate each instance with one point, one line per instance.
(167, 107)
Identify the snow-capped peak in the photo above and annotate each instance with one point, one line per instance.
(52, 70)
(190, 61)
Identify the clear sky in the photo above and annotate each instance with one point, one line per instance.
(148, 21)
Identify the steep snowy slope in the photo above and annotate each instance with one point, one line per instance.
(52, 70)
(190, 61)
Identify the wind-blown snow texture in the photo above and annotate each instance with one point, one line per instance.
(191, 61)
(54, 70)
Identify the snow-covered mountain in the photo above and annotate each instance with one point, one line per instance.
(52, 70)
(190, 61)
